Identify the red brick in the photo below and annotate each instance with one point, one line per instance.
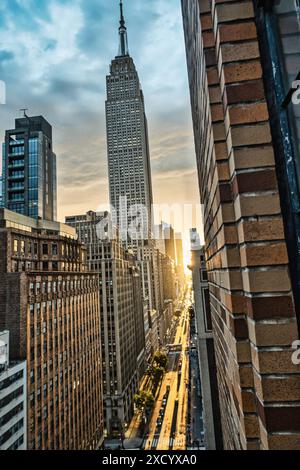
(245, 92)
(248, 113)
(264, 180)
(264, 254)
(239, 51)
(208, 39)
(239, 72)
(237, 32)
(263, 308)
(206, 22)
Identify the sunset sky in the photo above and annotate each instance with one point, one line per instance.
(54, 56)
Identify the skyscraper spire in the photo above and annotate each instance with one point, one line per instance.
(123, 47)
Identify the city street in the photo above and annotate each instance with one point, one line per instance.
(168, 424)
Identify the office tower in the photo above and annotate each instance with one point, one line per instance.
(167, 302)
(160, 305)
(154, 332)
(130, 185)
(122, 319)
(170, 242)
(160, 292)
(12, 399)
(179, 249)
(242, 59)
(205, 347)
(179, 262)
(127, 142)
(29, 169)
(160, 238)
(1, 192)
(169, 276)
(50, 305)
(149, 259)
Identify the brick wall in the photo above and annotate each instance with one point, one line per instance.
(254, 321)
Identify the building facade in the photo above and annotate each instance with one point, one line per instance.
(128, 145)
(129, 172)
(179, 249)
(206, 353)
(12, 399)
(170, 244)
(50, 305)
(122, 319)
(180, 268)
(1, 192)
(29, 169)
(243, 58)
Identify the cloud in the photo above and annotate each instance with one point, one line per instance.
(6, 55)
(54, 58)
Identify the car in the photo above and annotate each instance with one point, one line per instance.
(159, 423)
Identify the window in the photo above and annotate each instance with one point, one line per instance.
(11, 431)
(208, 322)
(54, 250)
(45, 265)
(287, 20)
(45, 249)
(278, 26)
(15, 245)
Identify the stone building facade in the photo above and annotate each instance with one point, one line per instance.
(50, 306)
(122, 318)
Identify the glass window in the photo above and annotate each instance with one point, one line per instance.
(45, 265)
(278, 24)
(287, 19)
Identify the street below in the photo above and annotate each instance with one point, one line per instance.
(176, 422)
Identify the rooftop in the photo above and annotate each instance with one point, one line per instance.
(10, 219)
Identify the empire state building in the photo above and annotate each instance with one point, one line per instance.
(127, 143)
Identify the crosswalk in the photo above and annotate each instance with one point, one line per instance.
(156, 439)
(155, 442)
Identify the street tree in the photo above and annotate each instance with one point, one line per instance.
(144, 400)
(161, 360)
